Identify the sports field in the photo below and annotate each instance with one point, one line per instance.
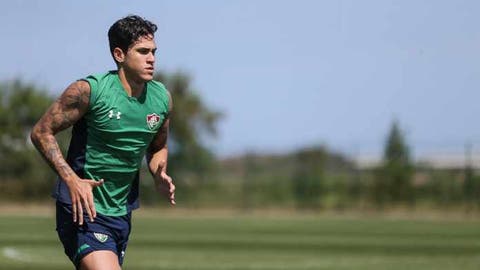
(261, 242)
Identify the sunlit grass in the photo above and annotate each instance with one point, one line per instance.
(260, 242)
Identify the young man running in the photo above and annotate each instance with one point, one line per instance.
(118, 118)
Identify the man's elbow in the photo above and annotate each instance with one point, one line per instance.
(35, 135)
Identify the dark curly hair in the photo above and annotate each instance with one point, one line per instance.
(126, 31)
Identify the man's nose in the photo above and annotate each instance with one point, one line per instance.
(151, 58)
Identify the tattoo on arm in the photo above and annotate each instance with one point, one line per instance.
(50, 150)
(63, 113)
(69, 107)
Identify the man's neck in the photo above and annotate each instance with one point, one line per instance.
(132, 87)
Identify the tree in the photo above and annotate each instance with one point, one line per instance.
(397, 169)
(308, 177)
(21, 105)
(471, 183)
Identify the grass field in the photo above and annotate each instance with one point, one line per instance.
(260, 242)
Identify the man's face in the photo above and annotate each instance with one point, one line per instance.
(140, 59)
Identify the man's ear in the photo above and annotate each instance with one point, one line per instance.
(118, 55)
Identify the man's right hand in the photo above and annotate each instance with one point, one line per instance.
(69, 108)
(82, 198)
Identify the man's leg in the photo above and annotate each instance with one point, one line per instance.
(100, 260)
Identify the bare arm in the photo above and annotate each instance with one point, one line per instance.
(63, 113)
(157, 155)
(157, 152)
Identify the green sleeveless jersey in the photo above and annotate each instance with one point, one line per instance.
(110, 141)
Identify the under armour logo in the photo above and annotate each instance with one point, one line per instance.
(111, 113)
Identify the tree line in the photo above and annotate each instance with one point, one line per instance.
(313, 178)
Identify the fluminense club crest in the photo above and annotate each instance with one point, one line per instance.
(152, 120)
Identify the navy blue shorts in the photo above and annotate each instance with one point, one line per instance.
(105, 233)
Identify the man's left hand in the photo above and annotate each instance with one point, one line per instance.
(164, 185)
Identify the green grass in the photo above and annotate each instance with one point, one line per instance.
(256, 242)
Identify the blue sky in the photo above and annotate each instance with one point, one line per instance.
(287, 74)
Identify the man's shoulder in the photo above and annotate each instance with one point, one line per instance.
(109, 75)
(103, 81)
(159, 88)
(157, 91)
(157, 84)
(101, 85)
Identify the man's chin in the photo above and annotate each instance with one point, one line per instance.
(147, 78)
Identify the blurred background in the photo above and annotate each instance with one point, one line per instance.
(306, 135)
(298, 105)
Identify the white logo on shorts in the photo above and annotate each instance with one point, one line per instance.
(101, 237)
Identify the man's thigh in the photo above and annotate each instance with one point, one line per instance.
(100, 260)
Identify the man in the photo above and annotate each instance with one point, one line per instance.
(117, 117)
